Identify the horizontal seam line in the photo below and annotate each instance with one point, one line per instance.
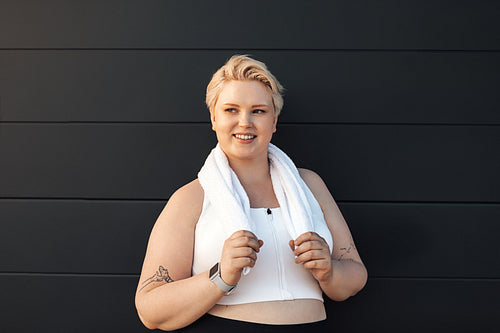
(420, 202)
(215, 49)
(68, 274)
(49, 274)
(82, 199)
(447, 278)
(338, 201)
(287, 123)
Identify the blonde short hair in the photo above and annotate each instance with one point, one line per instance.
(241, 68)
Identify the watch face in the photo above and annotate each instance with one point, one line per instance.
(214, 269)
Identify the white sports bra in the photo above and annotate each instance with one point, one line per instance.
(275, 275)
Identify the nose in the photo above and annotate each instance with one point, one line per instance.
(245, 119)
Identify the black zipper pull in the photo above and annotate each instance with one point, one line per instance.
(269, 212)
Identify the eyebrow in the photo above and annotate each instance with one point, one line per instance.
(253, 106)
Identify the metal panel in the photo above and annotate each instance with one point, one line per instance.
(326, 86)
(149, 161)
(106, 237)
(106, 303)
(229, 24)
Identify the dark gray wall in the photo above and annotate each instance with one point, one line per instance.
(395, 103)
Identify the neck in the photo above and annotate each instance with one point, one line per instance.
(251, 171)
(255, 177)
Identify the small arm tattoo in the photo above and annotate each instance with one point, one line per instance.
(347, 250)
(160, 276)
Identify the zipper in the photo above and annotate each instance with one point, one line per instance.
(281, 275)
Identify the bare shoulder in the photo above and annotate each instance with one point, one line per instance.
(187, 201)
(315, 184)
(189, 195)
(309, 176)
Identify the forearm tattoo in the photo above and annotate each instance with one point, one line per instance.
(160, 276)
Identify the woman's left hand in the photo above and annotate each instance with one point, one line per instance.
(312, 251)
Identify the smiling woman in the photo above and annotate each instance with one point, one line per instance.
(253, 242)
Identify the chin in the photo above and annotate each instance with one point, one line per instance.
(243, 154)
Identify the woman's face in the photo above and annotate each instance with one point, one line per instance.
(243, 119)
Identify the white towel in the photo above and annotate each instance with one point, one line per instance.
(300, 210)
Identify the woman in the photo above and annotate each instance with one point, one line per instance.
(253, 242)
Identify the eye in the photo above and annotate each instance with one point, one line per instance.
(230, 110)
(259, 111)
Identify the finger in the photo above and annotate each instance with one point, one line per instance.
(240, 263)
(245, 241)
(308, 246)
(242, 252)
(311, 255)
(292, 245)
(306, 237)
(243, 233)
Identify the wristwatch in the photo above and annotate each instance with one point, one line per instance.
(217, 279)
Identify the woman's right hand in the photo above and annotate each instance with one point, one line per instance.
(239, 251)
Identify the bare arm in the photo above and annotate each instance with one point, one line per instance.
(341, 273)
(167, 296)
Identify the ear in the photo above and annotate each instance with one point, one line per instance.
(274, 124)
(212, 119)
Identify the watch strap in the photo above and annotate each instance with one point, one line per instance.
(216, 278)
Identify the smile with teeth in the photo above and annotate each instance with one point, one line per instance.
(244, 137)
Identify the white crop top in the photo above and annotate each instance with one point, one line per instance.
(275, 275)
